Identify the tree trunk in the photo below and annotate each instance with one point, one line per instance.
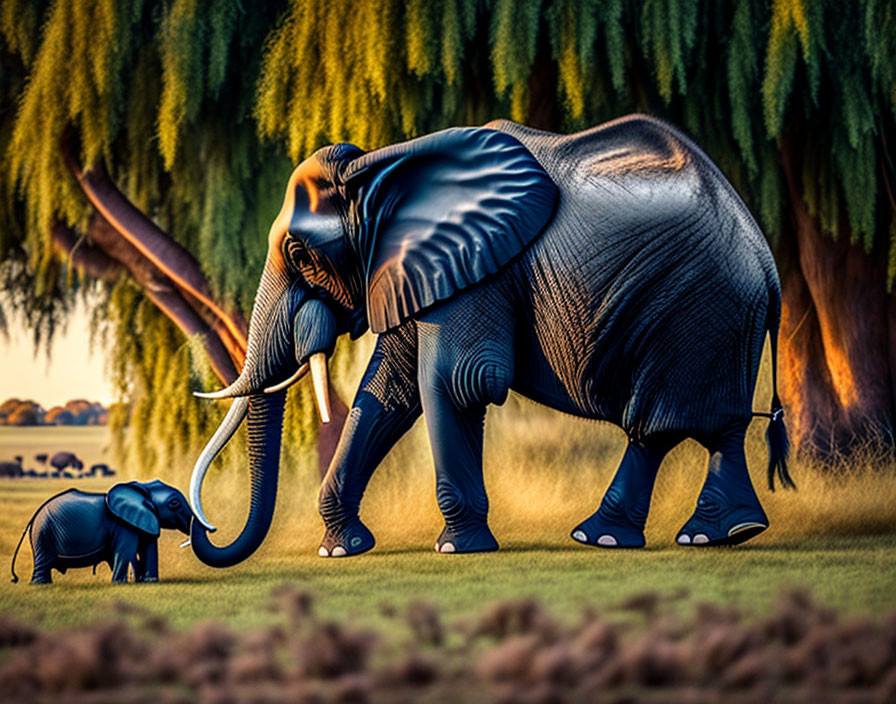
(107, 254)
(836, 336)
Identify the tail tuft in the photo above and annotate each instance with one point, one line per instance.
(778, 447)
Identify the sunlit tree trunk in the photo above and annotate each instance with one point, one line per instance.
(837, 335)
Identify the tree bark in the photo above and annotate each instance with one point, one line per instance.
(106, 254)
(836, 336)
(173, 260)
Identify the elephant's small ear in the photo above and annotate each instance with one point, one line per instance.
(131, 503)
(440, 213)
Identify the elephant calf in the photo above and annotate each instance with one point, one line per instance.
(612, 274)
(81, 529)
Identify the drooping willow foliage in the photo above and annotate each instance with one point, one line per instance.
(199, 107)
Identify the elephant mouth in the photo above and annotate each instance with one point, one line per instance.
(320, 380)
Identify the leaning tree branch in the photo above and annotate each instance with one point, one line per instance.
(85, 256)
(108, 254)
(172, 259)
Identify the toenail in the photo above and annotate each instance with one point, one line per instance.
(323, 552)
(447, 547)
(684, 539)
(607, 540)
(701, 539)
(580, 536)
(339, 551)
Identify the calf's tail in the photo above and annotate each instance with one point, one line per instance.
(12, 566)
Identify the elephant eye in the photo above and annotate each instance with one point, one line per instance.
(174, 503)
(297, 253)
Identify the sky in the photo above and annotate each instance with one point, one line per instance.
(71, 372)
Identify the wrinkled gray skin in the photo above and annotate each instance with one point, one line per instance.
(121, 527)
(644, 302)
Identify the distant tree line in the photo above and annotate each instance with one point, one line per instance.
(15, 411)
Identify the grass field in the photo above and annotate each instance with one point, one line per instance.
(544, 620)
(835, 536)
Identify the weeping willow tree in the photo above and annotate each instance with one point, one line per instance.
(149, 143)
(133, 170)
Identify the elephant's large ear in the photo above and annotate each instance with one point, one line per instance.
(440, 213)
(131, 503)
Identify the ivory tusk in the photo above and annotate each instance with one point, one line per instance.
(228, 427)
(184, 544)
(300, 372)
(320, 379)
(223, 393)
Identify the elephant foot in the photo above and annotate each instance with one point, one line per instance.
(475, 539)
(603, 531)
(353, 539)
(147, 580)
(41, 579)
(716, 524)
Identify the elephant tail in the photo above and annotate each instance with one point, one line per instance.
(776, 435)
(12, 566)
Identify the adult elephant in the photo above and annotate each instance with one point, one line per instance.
(612, 274)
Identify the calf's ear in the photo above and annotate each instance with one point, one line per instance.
(440, 213)
(130, 502)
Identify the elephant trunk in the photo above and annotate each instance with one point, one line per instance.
(265, 430)
(270, 329)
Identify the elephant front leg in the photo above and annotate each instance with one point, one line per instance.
(124, 554)
(384, 409)
(455, 435)
(147, 567)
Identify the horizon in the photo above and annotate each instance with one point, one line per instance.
(72, 370)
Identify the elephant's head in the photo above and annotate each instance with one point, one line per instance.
(366, 239)
(149, 506)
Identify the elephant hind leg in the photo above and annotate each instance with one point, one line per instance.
(44, 556)
(728, 511)
(620, 520)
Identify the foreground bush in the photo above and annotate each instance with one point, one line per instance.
(513, 652)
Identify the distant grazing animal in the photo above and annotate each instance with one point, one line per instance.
(100, 470)
(11, 469)
(41, 458)
(62, 460)
(80, 529)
